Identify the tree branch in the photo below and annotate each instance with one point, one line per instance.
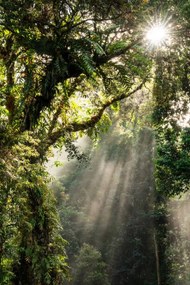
(91, 122)
(105, 58)
(50, 81)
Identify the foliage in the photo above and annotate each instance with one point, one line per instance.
(58, 75)
(110, 203)
(173, 161)
(50, 48)
(63, 64)
(172, 157)
(171, 96)
(31, 248)
(171, 110)
(90, 269)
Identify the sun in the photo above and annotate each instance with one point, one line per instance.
(157, 35)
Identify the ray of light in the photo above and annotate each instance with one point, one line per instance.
(158, 32)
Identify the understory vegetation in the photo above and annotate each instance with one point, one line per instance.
(118, 214)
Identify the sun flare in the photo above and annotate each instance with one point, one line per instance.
(157, 34)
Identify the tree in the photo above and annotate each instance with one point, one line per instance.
(64, 42)
(90, 269)
(114, 198)
(172, 156)
(63, 63)
(171, 95)
(58, 75)
(32, 251)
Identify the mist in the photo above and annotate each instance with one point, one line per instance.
(115, 194)
(113, 206)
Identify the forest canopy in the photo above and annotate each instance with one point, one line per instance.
(65, 67)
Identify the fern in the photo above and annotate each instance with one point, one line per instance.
(83, 51)
(96, 47)
(60, 65)
(86, 63)
(117, 46)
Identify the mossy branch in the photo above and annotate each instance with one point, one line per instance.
(93, 120)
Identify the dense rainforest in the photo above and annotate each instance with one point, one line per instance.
(98, 70)
(111, 206)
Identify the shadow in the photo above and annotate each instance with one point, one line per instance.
(115, 198)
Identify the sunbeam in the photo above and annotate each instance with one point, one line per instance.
(158, 32)
(179, 221)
